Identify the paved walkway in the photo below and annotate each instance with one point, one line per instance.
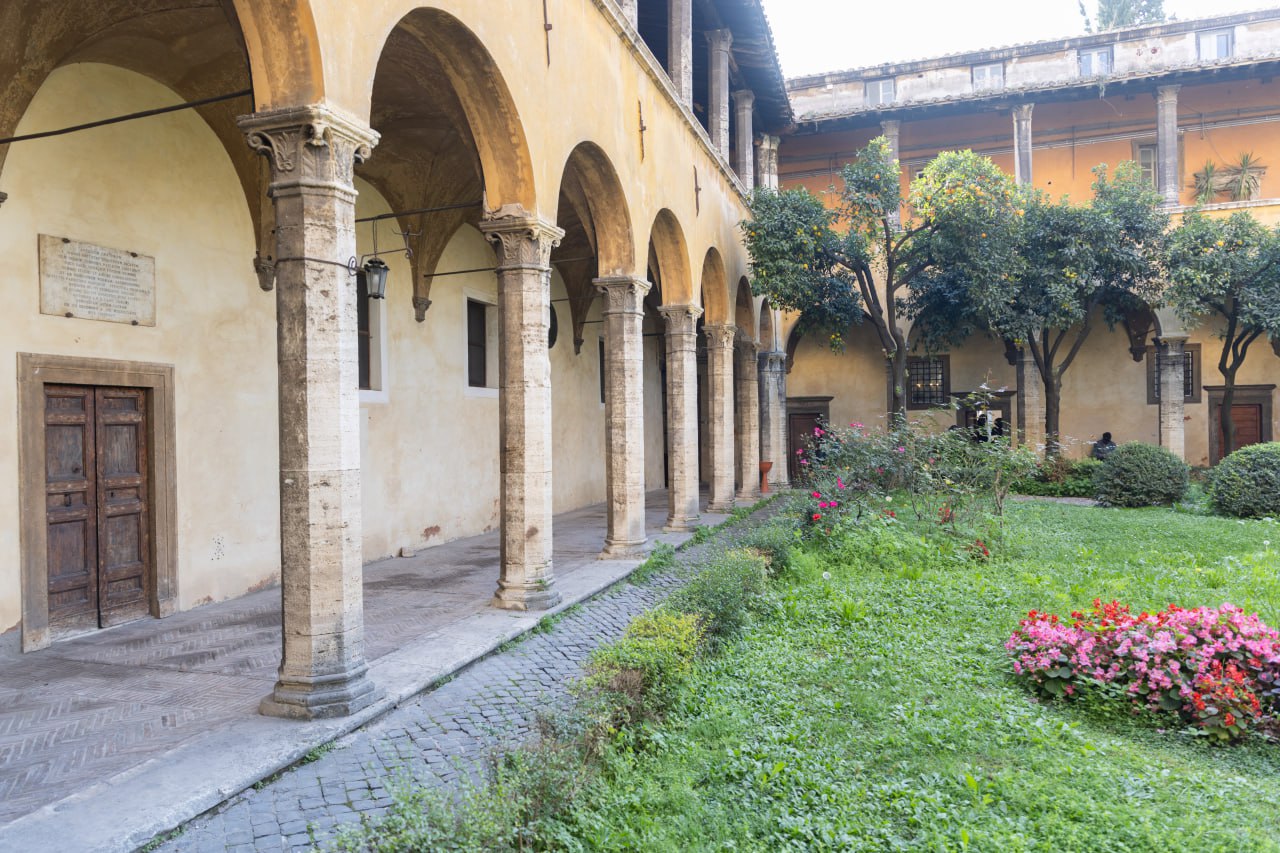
(108, 739)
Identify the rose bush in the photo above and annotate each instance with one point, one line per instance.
(1218, 668)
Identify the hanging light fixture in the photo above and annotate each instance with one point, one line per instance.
(375, 277)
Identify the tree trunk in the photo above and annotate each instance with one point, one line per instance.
(1225, 420)
(1052, 417)
(898, 385)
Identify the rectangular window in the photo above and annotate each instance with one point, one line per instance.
(987, 78)
(1148, 156)
(364, 333)
(477, 344)
(602, 370)
(1095, 62)
(928, 382)
(1215, 44)
(880, 91)
(1190, 375)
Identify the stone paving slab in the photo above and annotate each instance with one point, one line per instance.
(111, 738)
(437, 738)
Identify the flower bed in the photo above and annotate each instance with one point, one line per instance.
(1217, 668)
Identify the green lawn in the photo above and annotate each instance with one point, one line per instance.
(874, 710)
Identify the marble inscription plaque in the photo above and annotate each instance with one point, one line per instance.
(96, 282)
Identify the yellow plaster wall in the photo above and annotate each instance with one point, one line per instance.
(166, 188)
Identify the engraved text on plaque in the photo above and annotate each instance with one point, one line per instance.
(96, 282)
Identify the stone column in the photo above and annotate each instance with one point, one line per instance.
(523, 244)
(1022, 143)
(624, 414)
(1167, 143)
(312, 152)
(773, 415)
(743, 102)
(767, 163)
(680, 48)
(682, 415)
(747, 397)
(1173, 404)
(630, 11)
(1030, 401)
(890, 129)
(720, 338)
(718, 43)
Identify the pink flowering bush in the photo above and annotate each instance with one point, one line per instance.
(1218, 668)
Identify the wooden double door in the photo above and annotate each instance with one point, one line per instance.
(97, 506)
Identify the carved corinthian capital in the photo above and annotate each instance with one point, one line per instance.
(522, 239)
(623, 294)
(681, 319)
(309, 145)
(720, 335)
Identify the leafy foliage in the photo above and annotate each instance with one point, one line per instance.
(724, 594)
(1117, 14)
(1228, 270)
(1058, 477)
(1247, 483)
(856, 260)
(642, 671)
(1138, 474)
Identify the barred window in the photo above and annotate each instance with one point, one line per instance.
(928, 382)
(1190, 374)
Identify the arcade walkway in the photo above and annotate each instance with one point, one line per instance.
(109, 738)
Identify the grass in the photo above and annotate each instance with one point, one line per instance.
(875, 710)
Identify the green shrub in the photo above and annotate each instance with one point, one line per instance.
(775, 541)
(1061, 478)
(1138, 474)
(641, 672)
(1247, 483)
(724, 594)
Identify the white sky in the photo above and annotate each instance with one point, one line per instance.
(827, 35)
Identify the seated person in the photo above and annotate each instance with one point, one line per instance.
(1102, 447)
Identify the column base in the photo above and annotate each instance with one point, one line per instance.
(748, 497)
(624, 550)
(681, 525)
(535, 596)
(722, 507)
(330, 696)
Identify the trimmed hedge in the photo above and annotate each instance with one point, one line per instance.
(1138, 474)
(1061, 478)
(1247, 483)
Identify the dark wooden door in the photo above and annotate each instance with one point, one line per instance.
(99, 550)
(800, 427)
(71, 500)
(123, 531)
(1248, 423)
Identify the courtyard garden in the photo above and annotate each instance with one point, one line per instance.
(906, 656)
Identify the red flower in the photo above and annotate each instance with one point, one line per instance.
(1229, 719)
(817, 516)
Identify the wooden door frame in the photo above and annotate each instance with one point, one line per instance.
(1246, 395)
(34, 372)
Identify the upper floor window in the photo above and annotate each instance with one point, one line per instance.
(1215, 44)
(880, 91)
(1148, 158)
(364, 334)
(1095, 62)
(988, 77)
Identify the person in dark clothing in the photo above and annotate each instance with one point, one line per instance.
(1102, 447)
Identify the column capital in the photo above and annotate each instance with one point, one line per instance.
(1022, 112)
(681, 319)
(719, 39)
(773, 361)
(1174, 338)
(623, 294)
(309, 145)
(891, 126)
(522, 240)
(743, 98)
(746, 347)
(720, 335)
(1167, 94)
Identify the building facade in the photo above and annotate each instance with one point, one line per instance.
(208, 397)
(1172, 97)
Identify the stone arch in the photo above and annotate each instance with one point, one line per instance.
(598, 240)
(744, 315)
(283, 49)
(715, 289)
(668, 248)
(768, 339)
(440, 52)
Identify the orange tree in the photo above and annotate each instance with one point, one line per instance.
(855, 261)
(1227, 270)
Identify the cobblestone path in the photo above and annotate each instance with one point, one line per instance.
(436, 738)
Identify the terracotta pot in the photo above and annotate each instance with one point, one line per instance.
(765, 468)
